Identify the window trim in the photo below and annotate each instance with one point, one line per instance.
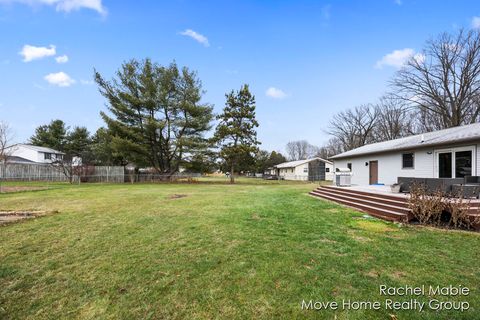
(413, 161)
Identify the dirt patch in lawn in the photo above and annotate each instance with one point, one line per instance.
(20, 189)
(397, 275)
(177, 196)
(15, 216)
(373, 274)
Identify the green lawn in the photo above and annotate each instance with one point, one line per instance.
(244, 251)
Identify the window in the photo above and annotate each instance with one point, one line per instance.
(408, 160)
(463, 163)
(349, 166)
(305, 169)
(293, 170)
(59, 156)
(47, 156)
(327, 169)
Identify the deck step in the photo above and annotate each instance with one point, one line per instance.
(385, 206)
(399, 207)
(376, 211)
(398, 202)
(366, 193)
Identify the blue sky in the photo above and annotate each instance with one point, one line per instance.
(304, 60)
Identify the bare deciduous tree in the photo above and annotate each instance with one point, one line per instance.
(443, 83)
(355, 127)
(70, 166)
(5, 139)
(300, 150)
(331, 148)
(394, 121)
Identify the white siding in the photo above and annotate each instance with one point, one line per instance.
(390, 165)
(31, 154)
(295, 173)
(26, 153)
(329, 175)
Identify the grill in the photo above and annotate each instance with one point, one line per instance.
(343, 177)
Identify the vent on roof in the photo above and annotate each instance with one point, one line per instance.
(422, 138)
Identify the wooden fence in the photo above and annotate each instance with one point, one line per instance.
(41, 172)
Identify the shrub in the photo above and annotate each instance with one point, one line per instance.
(437, 207)
(427, 207)
(458, 208)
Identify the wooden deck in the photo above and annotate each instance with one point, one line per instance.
(377, 201)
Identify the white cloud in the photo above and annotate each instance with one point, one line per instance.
(476, 22)
(275, 93)
(30, 53)
(60, 79)
(62, 59)
(196, 36)
(65, 5)
(396, 59)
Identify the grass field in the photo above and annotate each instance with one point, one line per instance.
(212, 250)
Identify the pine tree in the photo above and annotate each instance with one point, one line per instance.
(236, 132)
(156, 117)
(52, 135)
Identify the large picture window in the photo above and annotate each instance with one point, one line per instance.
(408, 160)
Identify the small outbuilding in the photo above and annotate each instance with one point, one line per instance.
(315, 169)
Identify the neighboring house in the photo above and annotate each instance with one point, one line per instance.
(449, 153)
(306, 170)
(26, 153)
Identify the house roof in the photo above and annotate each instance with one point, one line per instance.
(37, 148)
(292, 164)
(452, 135)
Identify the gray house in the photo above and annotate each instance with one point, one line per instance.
(449, 153)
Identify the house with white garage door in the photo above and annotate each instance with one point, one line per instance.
(450, 153)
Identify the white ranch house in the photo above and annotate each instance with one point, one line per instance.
(449, 153)
(305, 170)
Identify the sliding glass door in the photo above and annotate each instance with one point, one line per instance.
(445, 165)
(455, 162)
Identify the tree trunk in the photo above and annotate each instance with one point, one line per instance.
(232, 179)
